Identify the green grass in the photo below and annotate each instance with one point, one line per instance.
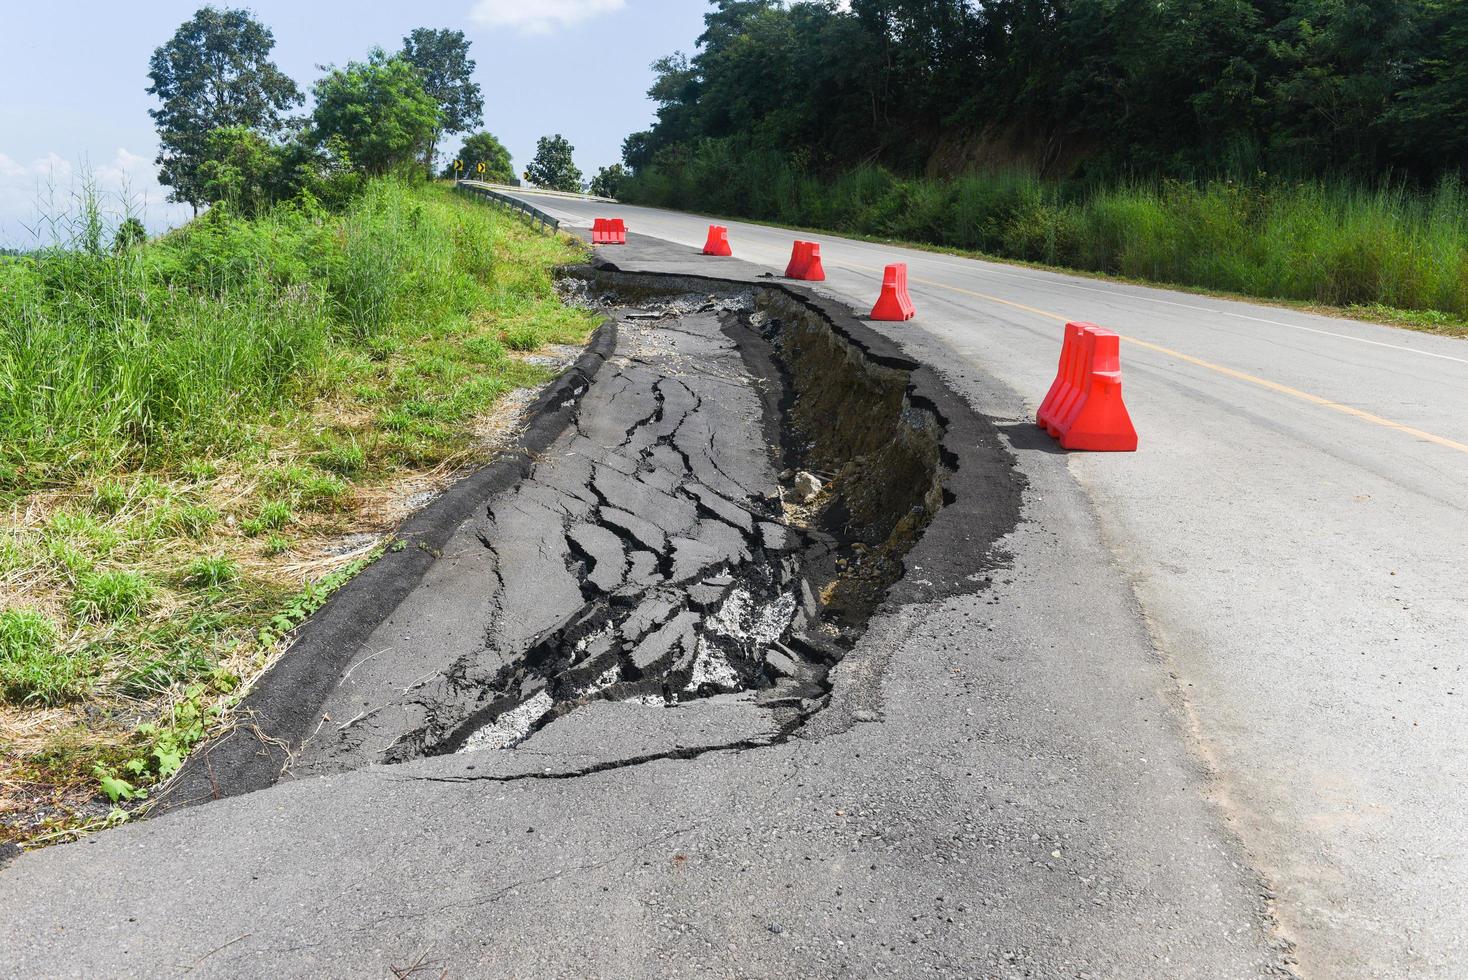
(1389, 252)
(33, 670)
(194, 425)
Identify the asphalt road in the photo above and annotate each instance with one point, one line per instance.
(1190, 718)
(990, 789)
(1293, 529)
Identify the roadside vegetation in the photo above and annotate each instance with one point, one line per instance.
(1386, 252)
(1297, 150)
(208, 433)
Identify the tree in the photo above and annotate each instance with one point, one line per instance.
(241, 167)
(608, 180)
(443, 63)
(484, 148)
(378, 110)
(130, 234)
(1430, 115)
(553, 166)
(215, 72)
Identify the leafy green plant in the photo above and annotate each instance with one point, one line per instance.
(311, 598)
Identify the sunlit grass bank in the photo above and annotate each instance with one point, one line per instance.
(204, 434)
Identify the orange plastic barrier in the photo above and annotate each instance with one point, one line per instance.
(797, 260)
(1084, 408)
(608, 231)
(805, 263)
(718, 242)
(894, 303)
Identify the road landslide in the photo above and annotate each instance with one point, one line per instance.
(676, 571)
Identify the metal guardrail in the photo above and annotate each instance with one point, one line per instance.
(532, 213)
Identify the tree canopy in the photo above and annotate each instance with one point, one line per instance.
(1076, 87)
(486, 149)
(554, 167)
(608, 180)
(447, 72)
(214, 72)
(378, 110)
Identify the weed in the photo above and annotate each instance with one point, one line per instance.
(273, 515)
(32, 670)
(189, 520)
(111, 596)
(344, 459)
(109, 497)
(522, 338)
(212, 572)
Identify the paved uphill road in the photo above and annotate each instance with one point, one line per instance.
(1294, 529)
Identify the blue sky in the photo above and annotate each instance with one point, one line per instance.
(72, 79)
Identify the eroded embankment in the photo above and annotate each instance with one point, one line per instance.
(706, 561)
(680, 539)
(730, 502)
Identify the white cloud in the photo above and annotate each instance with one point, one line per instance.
(539, 16)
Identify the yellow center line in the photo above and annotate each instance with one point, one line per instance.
(1229, 372)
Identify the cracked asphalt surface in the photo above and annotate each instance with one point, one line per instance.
(645, 555)
(994, 784)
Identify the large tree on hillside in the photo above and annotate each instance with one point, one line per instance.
(484, 148)
(447, 71)
(214, 72)
(553, 166)
(378, 110)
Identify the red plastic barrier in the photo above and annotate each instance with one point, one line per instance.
(1084, 407)
(608, 231)
(894, 303)
(813, 271)
(1061, 386)
(718, 241)
(805, 263)
(799, 259)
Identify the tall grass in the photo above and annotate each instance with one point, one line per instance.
(178, 347)
(1316, 241)
(198, 434)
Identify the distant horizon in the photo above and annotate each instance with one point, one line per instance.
(589, 58)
